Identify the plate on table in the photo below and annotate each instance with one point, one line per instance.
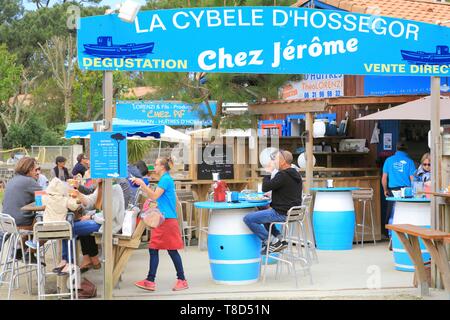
(257, 199)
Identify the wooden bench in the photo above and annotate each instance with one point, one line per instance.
(434, 241)
(123, 247)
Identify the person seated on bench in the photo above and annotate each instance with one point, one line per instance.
(167, 236)
(92, 222)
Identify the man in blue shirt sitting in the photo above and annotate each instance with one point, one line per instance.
(398, 172)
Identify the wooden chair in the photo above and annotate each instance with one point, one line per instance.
(434, 241)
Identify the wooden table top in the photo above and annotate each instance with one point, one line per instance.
(438, 194)
(32, 207)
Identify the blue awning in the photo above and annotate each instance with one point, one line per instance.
(132, 128)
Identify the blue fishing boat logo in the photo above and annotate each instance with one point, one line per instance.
(105, 48)
(441, 56)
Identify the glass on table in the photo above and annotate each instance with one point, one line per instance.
(417, 189)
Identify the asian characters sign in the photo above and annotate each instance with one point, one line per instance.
(281, 40)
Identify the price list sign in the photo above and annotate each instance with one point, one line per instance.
(109, 155)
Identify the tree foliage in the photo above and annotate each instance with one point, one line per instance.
(10, 10)
(10, 71)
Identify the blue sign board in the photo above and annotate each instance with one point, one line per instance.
(390, 85)
(109, 155)
(171, 113)
(281, 40)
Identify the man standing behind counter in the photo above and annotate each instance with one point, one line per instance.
(398, 172)
(286, 187)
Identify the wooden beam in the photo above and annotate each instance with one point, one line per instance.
(371, 100)
(288, 107)
(321, 105)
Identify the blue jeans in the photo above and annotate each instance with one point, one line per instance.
(154, 261)
(256, 220)
(80, 228)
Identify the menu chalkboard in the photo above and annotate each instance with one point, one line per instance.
(215, 158)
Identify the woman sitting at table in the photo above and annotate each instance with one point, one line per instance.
(423, 173)
(167, 236)
(19, 192)
(93, 222)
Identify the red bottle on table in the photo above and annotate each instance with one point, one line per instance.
(220, 188)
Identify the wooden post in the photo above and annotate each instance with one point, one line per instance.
(107, 199)
(435, 162)
(309, 153)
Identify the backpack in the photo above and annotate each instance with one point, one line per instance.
(87, 290)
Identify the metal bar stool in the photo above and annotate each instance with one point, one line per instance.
(306, 201)
(61, 230)
(292, 230)
(202, 229)
(364, 196)
(8, 262)
(187, 199)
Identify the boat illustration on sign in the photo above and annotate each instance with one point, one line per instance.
(441, 56)
(105, 48)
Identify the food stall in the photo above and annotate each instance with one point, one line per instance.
(347, 158)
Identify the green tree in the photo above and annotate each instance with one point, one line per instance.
(23, 35)
(137, 149)
(60, 53)
(10, 10)
(47, 3)
(10, 71)
(88, 96)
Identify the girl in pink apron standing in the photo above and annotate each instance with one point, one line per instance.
(167, 236)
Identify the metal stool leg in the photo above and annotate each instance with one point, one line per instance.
(75, 273)
(371, 219)
(200, 229)
(363, 224)
(13, 264)
(311, 241)
(40, 276)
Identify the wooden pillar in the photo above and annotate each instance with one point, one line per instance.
(435, 149)
(309, 153)
(107, 199)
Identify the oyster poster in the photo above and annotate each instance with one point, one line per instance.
(280, 40)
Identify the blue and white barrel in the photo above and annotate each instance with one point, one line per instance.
(234, 250)
(414, 213)
(334, 220)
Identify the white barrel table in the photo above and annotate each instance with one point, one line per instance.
(234, 251)
(415, 211)
(334, 218)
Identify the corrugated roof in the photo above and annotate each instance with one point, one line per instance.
(418, 10)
